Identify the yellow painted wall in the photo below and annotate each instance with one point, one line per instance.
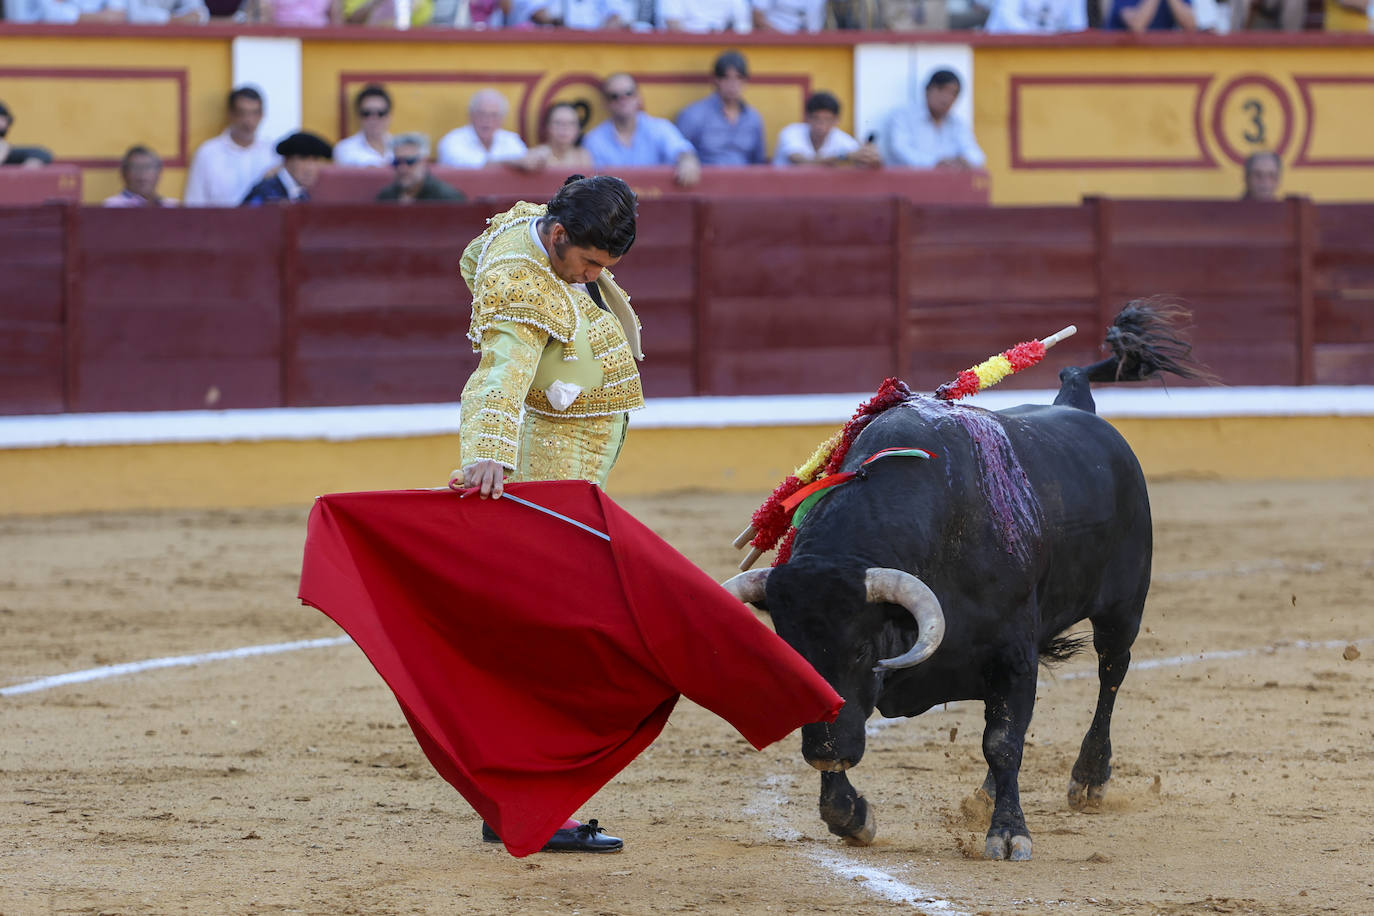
(1082, 104)
(1094, 110)
(741, 459)
(431, 83)
(88, 112)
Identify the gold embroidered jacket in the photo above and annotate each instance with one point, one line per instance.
(532, 330)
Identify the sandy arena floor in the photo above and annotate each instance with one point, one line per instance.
(289, 783)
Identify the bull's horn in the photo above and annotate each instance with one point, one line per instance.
(903, 588)
(748, 586)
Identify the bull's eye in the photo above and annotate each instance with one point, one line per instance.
(863, 654)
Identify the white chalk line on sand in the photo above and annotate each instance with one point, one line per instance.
(174, 661)
(768, 802)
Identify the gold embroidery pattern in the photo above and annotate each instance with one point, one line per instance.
(557, 448)
(491, 411)
(518, 305)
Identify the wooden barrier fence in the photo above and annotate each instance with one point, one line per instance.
(116, 309)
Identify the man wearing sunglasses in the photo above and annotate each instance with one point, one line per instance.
(629, 137)
(371, 145)
(413, 179)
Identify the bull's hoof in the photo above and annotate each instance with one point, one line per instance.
(866, 833)
(1085, 797)
(1015, 849)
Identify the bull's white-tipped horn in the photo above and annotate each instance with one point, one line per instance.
(748, 586)
(903, 588)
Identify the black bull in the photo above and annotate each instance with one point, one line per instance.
(1028, 521)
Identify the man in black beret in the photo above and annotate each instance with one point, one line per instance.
(302, 154)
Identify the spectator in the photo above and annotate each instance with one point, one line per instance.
(1152, 15)
(230, 10)
(572, 14)
(640, 15)
(413, 179)
(722, 128)
(817, 141)
(370, 146)
(31, 156)
(1037, 17)
(382, 13)
(1286, 15)
(562, 129)
(629, 137)
(69, 11)
(303, 154)
(161, 12)
(913, 15)
(300, 13)
(1262, 171)
(483, 141)
(470, 14)
(226, 167)
(790, 16)
(140, 168)
(928, 134)
(854, 14)
(705, 15)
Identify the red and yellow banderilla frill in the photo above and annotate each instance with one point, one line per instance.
(774, 522)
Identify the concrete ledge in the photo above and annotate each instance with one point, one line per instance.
(239, 459)
(336, 424)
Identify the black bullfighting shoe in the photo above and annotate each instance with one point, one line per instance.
(588, 837)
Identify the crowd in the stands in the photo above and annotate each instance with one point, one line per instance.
(704, 16)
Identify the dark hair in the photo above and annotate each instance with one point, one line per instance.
(1253, 160)
(371, 91)
(137, 150)
(597, 212)
(571, 106)
(823, 101)
(942, 78)
(5, 112)
(730, 60)
(245, 92)
(612, 76)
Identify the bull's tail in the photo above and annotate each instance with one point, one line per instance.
(1146, 339)
(1062, 648)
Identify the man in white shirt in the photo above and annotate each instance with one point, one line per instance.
(789, 16)
(483, 141)
(141, 168)
(85, 11)
(371, 146)
(226, 167)
(162, 12)
(706, 15)
(1037, 17)
(817, 141)
(571, 14)
(928, 134)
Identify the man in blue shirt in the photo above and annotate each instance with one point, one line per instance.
(629, 137)
(724, 130)
(1152, 15)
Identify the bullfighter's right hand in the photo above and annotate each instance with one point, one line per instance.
(489, 476)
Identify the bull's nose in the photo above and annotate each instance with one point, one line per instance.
(829, 766)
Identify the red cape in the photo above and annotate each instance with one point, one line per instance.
(534, 660)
